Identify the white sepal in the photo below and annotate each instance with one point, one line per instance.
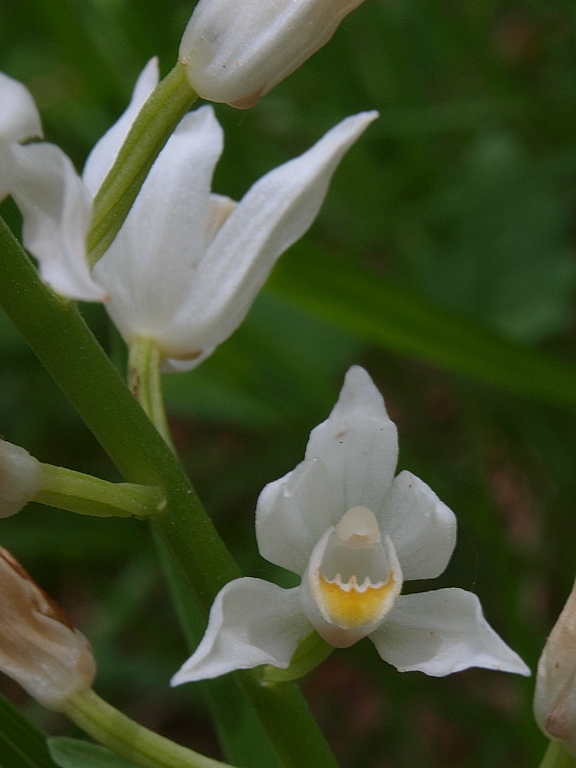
(442, 632)
(56, 211)
(358, 445)
(274, 213)
(19, 118)
(251, 622)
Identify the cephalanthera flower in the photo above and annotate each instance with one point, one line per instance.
(187, 263)
(355, 533)
(39, 647)
(235, 51)
(20, 478)
(555, 695)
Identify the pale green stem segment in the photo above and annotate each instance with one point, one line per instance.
(127, 738)
(311, 652)
(165, 107)
(557, 757)
(87, 495)
(144, 380)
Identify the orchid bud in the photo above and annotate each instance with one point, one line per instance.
(39, 647)
(555, 696)
(235, 51)
(20, 478)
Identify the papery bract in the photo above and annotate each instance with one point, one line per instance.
(354, 532)
(235, 51)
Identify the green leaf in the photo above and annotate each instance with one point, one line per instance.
(22, 745)
(74, 753)
(397, 319)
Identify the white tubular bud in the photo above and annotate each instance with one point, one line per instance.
(39, 647)
(20, 478)
(555, 695)
(235, 51)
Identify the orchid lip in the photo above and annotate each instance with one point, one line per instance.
(353, 576)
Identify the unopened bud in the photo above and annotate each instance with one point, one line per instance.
(235, 51)
(20, 478)
(555, 695)
(39, 647)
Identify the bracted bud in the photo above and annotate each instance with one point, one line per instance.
(235, 51)
(39, 647)
(20, 478)
(555, 695)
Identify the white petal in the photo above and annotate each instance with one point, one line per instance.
(273, 214)
(150, 268)
(252, 622)
(422, 528)
(358, 444)
(292, 514)
(442, 632)
(102, 156)
(19, 118)
(56, 210)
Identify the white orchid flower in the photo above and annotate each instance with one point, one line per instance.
(187, 264)
(55, 205)
(354, 532)
(237, 50)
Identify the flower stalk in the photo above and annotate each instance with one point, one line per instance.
(127, 738)
(144, 361)
(557, 757)
(161, 113)
(311, 652)
(88, 495)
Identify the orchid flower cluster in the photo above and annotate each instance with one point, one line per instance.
(178, 275)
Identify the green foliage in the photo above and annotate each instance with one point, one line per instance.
(21, 744)
(73, 753)
(442, 261)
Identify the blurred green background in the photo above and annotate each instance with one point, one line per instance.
(442, 261)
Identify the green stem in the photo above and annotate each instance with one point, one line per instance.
(311, 651)
(167, 104)
(88, 495)
(70, 353)
(557, 757)
(127, 738)
(144, 381)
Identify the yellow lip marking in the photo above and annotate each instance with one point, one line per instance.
(353, 605)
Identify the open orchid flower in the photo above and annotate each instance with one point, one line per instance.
(187, 263)
(354, 532)
(55, 205)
